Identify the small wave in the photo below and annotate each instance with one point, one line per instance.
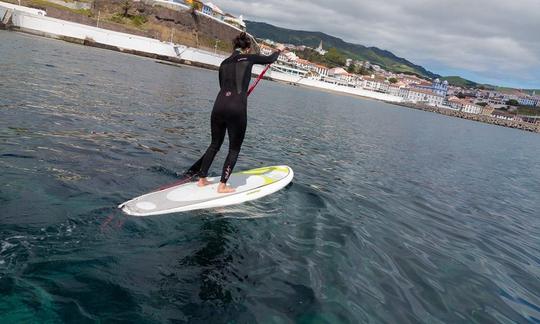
(18, 156)
(163, 170)
(66, 175)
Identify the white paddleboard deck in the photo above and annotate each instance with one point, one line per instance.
(249, 185)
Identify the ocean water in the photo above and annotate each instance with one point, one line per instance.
(394, 216)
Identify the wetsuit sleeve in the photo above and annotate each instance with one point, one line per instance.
(263, 59)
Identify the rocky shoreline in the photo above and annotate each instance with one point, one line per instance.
(479, 118)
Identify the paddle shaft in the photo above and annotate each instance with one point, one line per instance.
(258, 79)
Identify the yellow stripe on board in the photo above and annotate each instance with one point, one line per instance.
(261, 171)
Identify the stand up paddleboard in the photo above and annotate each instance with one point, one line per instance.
(249, 185)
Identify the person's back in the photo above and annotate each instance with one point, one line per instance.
(235, 71)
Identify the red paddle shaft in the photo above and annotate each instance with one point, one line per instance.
(258, 79)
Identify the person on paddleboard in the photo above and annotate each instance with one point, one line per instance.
(230, 110)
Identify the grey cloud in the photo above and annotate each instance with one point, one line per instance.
(494, 39)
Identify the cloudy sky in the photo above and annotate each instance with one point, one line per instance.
(488, 41)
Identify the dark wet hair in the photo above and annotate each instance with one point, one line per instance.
(242, 41)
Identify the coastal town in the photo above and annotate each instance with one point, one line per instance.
(507, 107)
(500, 104)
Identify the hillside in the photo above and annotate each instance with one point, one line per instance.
(532, 91)
(384, 58)
(518, 91)
(460, 82)
(464, 83)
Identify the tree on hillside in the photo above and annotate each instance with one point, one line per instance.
(364, 71)
(335, 57)
(311, 55)
(126, 6)
(195, 6)
(393, 80)
(512, 102)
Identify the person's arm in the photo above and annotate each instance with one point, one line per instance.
(263, 59)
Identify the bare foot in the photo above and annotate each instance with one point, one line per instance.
(203, 182)
(223, 188)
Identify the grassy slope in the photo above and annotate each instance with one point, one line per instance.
(460, 82)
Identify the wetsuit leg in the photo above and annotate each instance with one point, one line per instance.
(236, 128)
(218, 126)
(195, 168)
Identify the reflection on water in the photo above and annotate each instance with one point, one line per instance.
(394, 215)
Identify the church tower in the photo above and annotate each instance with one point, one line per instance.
(320, 49)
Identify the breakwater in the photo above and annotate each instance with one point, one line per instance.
(530, 127)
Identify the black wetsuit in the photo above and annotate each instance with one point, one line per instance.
(230, 111)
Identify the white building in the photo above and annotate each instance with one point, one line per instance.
(410, 79)
(341, 74)
(289, 56)
(464, 105)
(304, 64)
(424, 96)
(376, 84)
(528, 101)
(403, 93)
(238, 22)
(266, 50)
(212, 10)
(321, 70)
(394, 90)
(471, 108)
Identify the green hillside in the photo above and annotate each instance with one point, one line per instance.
(460, 82)
(385, 59)
(464, 83)
(527, 91)
(531, 91)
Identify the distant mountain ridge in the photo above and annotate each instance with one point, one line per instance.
(374, 55)
(464, 83)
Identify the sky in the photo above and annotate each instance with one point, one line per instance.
(486, 41)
